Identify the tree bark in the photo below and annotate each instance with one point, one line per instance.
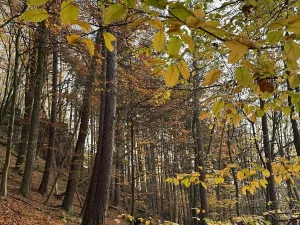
(47, 171)
(271, 191)
(35, 116)
(96, 203)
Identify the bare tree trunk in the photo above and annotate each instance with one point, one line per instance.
(47, 171)
(97, 199)
(35, 116)
(271, 191)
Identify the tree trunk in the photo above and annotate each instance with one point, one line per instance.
(12, 119)
(271, 191)
(97, 199)
(77, 158)
(29, 87)
(35, 116)
(47, 171)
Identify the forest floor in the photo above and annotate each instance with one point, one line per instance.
(17, 210)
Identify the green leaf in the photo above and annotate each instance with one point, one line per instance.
(217, 107)
(113, 13)
(186, 183)
(69, 12)
(35, 15)
(108, 39)
(130, 3)
(292, 50)
(178, 10)
(211, 77)
(274, 36)
(159, 41)
(171, 76)
(286, 110)
(173, 47)
(243, 76)
(157, 4)
(36, 2)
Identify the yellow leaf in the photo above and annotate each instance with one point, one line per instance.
(137, 23)
(176, 182)
(156, 23)
(263, 183)
(274, 36)
(159, 41)
(37, 2)
(278, 24)
(252, 171)
(217, 107)
(184, 69)
(204, 115)
(84, 25)
(69, 12)
(148, 222)
(73, 38)
(35, 15)
(294, 26)
(199, 13)
(192, 21)
(278, 179)
(169, 180)
(90, 45)
(211, 77)
(219, 180)
(189, 41)
(108, 39)
(113, 13)
(294, 80)
(171, 76)
(255, 184)
(236, 120)
(203, 185)
(240, 175)
(198, 210)
(237, 51)
(244, 189)
(292, 50)
(266, 173)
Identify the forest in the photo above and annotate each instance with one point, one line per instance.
(167, 112)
